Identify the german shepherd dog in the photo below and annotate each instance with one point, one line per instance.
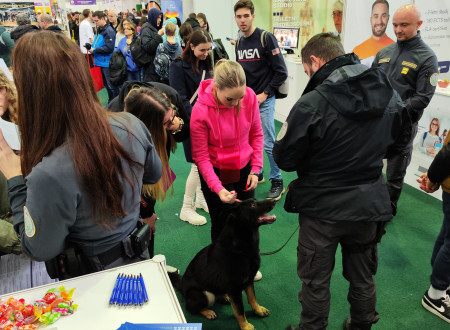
(228, 265)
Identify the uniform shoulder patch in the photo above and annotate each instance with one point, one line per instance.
(282, 131)
(434, 79)
(384, 60)
(30, 228)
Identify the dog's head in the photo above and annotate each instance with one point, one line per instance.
(251, 212)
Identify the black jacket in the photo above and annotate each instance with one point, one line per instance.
(21, 30)
(185, 82)
(194, 23)
(412, 68)
(150, 41)
(54, 28)
(336, 137)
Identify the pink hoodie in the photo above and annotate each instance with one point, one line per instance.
(205, 136)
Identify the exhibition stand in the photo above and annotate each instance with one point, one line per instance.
(93, 291)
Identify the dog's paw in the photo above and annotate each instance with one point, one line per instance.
(262, 311)
(247, 326)
(209, 314)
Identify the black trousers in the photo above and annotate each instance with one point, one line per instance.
(396, 168)
(218, 211)
(317, 244)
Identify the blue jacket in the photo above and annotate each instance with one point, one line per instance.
(103, 46)
(125, 49)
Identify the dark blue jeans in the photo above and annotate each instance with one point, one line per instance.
(112, 90)
(440, 259)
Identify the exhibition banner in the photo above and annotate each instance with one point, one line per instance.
(9, 11)
(172, 8)
(435, 122)
(310, 16)
(435, 31)
(83, 2)
(360, 27)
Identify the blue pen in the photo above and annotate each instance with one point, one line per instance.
(116, 287)
(119, 287)
(126, 299)
(135, 291)
(140, 292)
(122, 291)
(143, 287)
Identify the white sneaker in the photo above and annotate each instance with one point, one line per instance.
(257, 277)
(188, 214)
(171, 269)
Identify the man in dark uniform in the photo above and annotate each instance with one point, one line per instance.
(412, 69)
(340, 192)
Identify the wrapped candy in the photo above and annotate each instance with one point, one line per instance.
(49, 297)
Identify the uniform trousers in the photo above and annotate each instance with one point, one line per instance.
(396, 168)
(317, 245)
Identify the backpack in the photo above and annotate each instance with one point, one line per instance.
(117, 68)
(162, 62)
(140, 56)
(219, 51)
(282, 91)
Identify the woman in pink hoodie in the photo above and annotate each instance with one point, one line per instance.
(227, 141)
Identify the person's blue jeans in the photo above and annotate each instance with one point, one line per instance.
(133, 75)
(440, 259)
(267, 110)
(112, 90)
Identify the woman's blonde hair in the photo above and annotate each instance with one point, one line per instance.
(229, 74)
(11, 94)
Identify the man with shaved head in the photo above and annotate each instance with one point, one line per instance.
(45, 22)
(413, 71)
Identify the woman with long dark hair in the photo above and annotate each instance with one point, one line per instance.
(78, 181)
(185, 75)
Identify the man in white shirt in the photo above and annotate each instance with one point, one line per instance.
(86, 31)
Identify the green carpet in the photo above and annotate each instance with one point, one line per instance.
(403, 270)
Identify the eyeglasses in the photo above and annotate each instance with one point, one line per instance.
(434, 124)
(169, 123)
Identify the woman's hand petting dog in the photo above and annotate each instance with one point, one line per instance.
(228, 197)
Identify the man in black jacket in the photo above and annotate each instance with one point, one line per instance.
(45, 22)
(152, 33)
(336, 137)
(413, 71)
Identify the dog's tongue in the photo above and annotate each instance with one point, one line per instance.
(267, 219)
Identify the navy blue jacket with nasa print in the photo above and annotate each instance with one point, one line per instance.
(264, 68)
(412, 68)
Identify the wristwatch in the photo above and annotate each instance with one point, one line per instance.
(253, 173)
(179, 127)
(267, 93)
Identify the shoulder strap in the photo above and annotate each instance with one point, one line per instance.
(263, 38)
(424, 137)
(237, 43)
(196, 92)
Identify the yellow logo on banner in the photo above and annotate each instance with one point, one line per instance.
(405, 70)
(411, 65)
(384, 60)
